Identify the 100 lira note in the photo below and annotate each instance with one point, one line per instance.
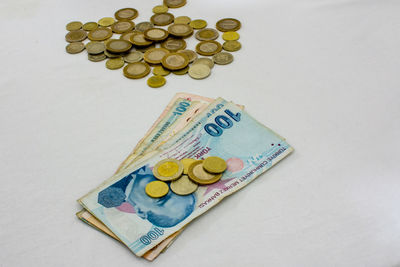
(223, 130)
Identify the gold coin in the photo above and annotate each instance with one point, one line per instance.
(181, 71)
(155, 55)
(199, 71)
(100, 34)
(159, 70)
(133, 57)
(230, 36)
(160, 9)
(214, 165)
(74, 26)
(162, 19)
(228, 24)
(123, 26)
(90, 26)
(180, 30)
(174, 3)
(75, 36)
(208, 48)
(175, 61)
(198, 24)
(127, 36)
(183, 186)
(143, 26)
(115, 63)
(199, 175)
(156, 34)
(182, 20)
(118, 46)
(168, 169)
(97, 58)
(231, 46)
(95, 47)
(156, 81)
(126, 14)
(156, 189)
(223, 58)
(191, 55)
(207, 34)
(105, 22)
(136, 70)
(139, 40)
(75, 48)
(174, 44)
(204, 60)
(186, 163)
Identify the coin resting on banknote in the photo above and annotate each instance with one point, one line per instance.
(163, 28)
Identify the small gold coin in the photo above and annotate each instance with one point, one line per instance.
(90, 26)
(199, 71)
(118, 46)
(198, 24)
(186, 163)
(100, 34)
(207, 34)
(139, 40)
(191, 55)
(156, 189)
(183, 186)
(74, 26)
(159, 70)
(127, 36)
(175, 61)
(168, 169)
(97, 58)
(162, 19)
(223, 58)
(156, 81)
(174, 3)
(199, 175)
(208, 48)
(181, 71)
(214, 165)
(204, 60)
(105, 22)
(155, 55)
(123, 26)
(75, 48)
(136, 70)
(174, 44)
(228, 24)
(182, 20)
(231, 46)
(230, 36)
(95, 47)
(155, 34)
(143, 26)
(133, 57)
(126, 14)
(180, 30)
(160, 9)
(115, 63)
(75, 36)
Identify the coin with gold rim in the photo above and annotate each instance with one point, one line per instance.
(155, 34)
(208, 48)
(156, 81)
(162, 19)
(106, 22)
(168, 169)
(174, 3)
(143, 26)
(174, 44)
(231, 46)
(139, 40)
(182, 20)
(100, 34)
(228, 24)
(155, 55)
(136, 70)
(156, 189)
(123, 26)
(175, 61)
(118, 46)
(180, 30)
(198, 175)
(126, 14)
(191, 55)
(206, 34)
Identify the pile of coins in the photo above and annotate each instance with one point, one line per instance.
(143, 48)
(184, 175)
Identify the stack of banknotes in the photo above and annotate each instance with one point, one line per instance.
(191, 126)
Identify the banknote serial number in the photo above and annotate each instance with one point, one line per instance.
(222, 122)
(151, 235)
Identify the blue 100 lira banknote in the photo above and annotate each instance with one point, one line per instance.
(222, 130)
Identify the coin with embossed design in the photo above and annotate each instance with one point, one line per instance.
(208, 48)
(126, 14)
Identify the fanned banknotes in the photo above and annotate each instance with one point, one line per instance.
(223, 130)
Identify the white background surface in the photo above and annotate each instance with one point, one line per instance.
(324, 74)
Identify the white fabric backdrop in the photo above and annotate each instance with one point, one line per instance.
(324, 74)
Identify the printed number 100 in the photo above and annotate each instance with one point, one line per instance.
(221, 122)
